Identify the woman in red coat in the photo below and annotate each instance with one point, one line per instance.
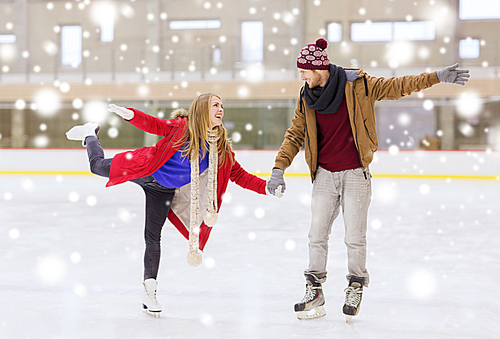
(184, 176)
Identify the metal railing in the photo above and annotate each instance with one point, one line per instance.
(104, 64)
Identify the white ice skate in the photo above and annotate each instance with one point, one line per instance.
(150, 304)
(80, 132)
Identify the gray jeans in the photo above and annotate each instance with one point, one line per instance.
(351, 191)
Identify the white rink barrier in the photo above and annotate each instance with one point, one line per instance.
(403, 163)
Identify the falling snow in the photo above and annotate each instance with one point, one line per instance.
(71, 244)
(441, 243)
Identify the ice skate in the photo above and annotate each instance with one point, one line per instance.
(353, 296)
(150, 304)
(80, 132)
(311, 305)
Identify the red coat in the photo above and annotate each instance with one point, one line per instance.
(145, 161)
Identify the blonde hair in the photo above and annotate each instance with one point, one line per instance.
(198, 129)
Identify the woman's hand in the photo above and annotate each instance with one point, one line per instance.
(125, 113)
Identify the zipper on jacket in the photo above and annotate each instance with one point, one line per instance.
(356, 130)
(305, 122)
(366, 86)
(165, 148)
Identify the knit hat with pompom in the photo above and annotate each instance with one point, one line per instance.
(313, 56)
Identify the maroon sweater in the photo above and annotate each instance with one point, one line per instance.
(337, 151)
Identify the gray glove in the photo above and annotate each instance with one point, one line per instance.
(453, 75)
(276, 184)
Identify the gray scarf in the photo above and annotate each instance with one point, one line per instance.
(327, 99)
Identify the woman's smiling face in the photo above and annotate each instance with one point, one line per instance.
(216, 111)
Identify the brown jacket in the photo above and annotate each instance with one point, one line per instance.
(360, 95)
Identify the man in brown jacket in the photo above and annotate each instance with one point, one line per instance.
(335, 119)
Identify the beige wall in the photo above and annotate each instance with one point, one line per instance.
(195, 45)
(115, 77)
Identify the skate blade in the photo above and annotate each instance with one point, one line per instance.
(152, 314)
(348, 318)
(316, 312)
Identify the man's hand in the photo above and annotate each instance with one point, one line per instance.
(276, 184)
(453, 75)
(125, 113)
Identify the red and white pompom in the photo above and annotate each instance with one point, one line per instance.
(194, 258)
(210, 218)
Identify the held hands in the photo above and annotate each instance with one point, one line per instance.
(125, 113)
(453, 75)
(276, 184)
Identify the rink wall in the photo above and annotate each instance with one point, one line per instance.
(408, 163)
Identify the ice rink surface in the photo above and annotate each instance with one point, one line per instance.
(71, 264)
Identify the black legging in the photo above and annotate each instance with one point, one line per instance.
(158, 200)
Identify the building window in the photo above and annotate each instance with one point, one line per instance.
(389, 31)
(216, 56)
(469, 48)
(107, 17)
(479, 9)
(416, 30)
(373, 31)
(7, 38)
(334, 32)
(195, 24)
(252, 41)
(71, 45)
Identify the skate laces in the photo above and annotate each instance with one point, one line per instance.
(151, 294)
(353, 296)
(310, 293)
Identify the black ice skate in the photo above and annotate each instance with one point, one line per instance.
(311, 306)
(353, 295)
